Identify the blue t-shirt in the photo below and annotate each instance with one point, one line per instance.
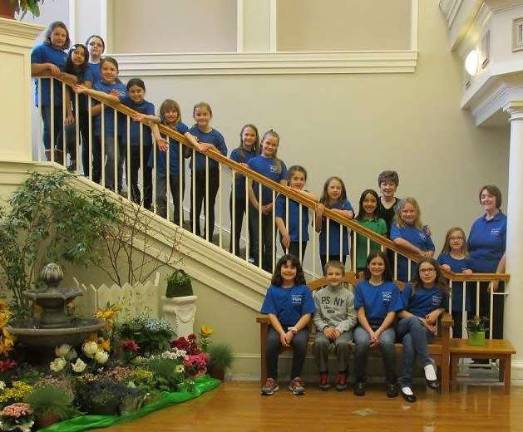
(288, 304)
(294, 218)
(95, 70)
(268, 167)
(378, 300)
(241, 156)
(487, 242)
(423, 301)
(143, 107)
(334, 233)
(213, 137)
(419, 238)
(108, 112)
(457, 266)
(83, 76)
(46, 53)
(174, 155)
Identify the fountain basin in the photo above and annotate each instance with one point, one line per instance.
(74, 333)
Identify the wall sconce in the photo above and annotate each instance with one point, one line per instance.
(472, 62)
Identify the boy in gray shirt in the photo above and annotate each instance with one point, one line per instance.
(334, 319)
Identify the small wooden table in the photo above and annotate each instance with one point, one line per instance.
(500, 349)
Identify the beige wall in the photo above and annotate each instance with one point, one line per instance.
(343, 25)
(174, 26)
(356, 125)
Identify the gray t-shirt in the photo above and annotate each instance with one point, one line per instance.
(334, 308)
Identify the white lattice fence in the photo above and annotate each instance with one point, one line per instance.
(132, 299)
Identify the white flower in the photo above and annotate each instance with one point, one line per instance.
(180, 368)
(2, 386)
(71, 355)
(90, 349)
(57, 364)
(178, 353)
(101, 356)
(79, 366)
(62, 350)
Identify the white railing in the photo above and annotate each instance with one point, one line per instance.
(105, 156)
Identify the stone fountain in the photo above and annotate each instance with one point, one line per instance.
(50, 325)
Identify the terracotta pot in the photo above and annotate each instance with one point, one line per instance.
(48, 420)
(217, 373)
(7, 9)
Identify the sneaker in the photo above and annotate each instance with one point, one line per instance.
(341, 381)
(408, 394)
(324, 381)
(430, 376)
(392, 390)
(269, 387)
(359, 388)
(296, 386)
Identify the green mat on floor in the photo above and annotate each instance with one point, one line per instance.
(89, 422)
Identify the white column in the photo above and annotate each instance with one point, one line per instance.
(16, 40)
(256, 25)
(513, 317)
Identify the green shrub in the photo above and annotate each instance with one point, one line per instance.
(52, 401)
(220, 355)
(179, 285)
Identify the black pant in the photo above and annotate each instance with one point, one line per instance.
(267, 245)
(239, 211)
(294, 249)
(299, 345)
(134, 165)
(162, 199)
(85, 133)
(199, 184)
(326, 258)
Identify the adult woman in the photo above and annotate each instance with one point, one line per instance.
(487, 242)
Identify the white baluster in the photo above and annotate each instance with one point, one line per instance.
(90, 122)
(128, 163)
(64, 149)
(102, 149)
(273, 248)
(77, 130)
(220, 203)
(142, 176)
(51, 106)
(207, 198)
(115, 148)
(287, 219)
(233, 211)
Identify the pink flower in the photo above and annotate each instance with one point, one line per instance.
(17, 410)
(196, 364)
(6, 365)
(130, 345)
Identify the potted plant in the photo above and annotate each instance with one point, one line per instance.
(51, 404)
(16, 417)
(220, 359)
(179, 303)
(476, 328)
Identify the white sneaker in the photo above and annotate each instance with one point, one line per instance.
(430, 372)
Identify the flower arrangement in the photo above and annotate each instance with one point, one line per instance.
(17, 417)
(205, 335)
(477, 324)
(152, 335)
(16, 393)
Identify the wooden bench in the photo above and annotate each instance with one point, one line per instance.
(500, 349)
(438, 349)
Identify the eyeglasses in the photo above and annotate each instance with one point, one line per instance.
(456, 238)
(427, 270)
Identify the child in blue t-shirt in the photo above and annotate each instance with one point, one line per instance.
(377, 300)
(425, 300)
(248, 149)
(77, 66)
(261, 199)
(454, 257)
(205, 171)
(140, 145)
(409, 233)
(109, 89)
(47, 59)
(170, 165)
(334, 242)
(293, 228)
(96, 46)
(289, 305)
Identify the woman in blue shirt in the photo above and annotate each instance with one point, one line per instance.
(49, 59)
(425, 300)
(376, 301)
(410, 234)
(487, 243)
(289, 305)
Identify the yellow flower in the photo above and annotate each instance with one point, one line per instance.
(4, 318)
(206, 331)
(104, 344)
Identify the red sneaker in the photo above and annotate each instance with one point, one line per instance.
(269, 387)
(341, 381)
(324, 381)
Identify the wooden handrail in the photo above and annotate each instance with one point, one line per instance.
(302, 199)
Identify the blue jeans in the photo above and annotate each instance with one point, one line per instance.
(386, 346)
(415, 338)
(274, 347)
